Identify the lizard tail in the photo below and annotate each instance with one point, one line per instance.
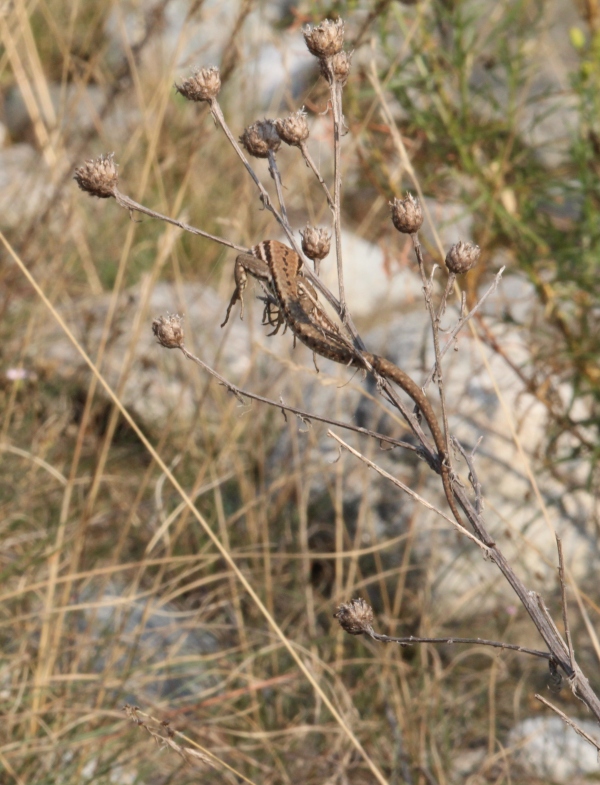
(390, 371)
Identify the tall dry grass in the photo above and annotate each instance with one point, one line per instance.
(112, 592)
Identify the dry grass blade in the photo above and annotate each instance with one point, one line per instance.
(176, 535)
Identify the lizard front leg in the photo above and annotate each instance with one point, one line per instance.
(272, 315)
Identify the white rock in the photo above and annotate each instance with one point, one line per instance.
(547, 748)
(161, 384)
(24, 184)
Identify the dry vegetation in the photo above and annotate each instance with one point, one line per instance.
(113, 592)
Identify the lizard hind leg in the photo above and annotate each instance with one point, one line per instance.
(237, 295)
(241, 281)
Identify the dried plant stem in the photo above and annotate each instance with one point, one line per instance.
(305, 416)
(276, 175)
(462, 321)
(473, 478)
(219, 118)
(450, 282)
(311, 164)
(435, 329)
(560, 653)
(265, 199)
(336, 90)
(164, 735)
(563, 590)
(129, 204)
(398, 483)
(411, 640)
(594, 742)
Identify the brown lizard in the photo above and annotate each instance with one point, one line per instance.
(279, 268)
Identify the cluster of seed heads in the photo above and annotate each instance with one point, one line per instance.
(263, 138)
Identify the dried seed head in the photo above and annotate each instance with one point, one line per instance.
(293, 130)
(340, 65)
(169, 331)
(98, 177)
(407, 214)
(462, 257)
(203, 85)
(260, 137)
(356, 617)
(325, 40)
(337, 68)
(315, 242)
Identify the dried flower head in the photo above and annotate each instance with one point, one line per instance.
(340, 65)
(203, 85)
(315, 242)
(169, 331)
(99, 177)
(462, 257)
(407, 214)
(293, 130)
(260, 137)
(325, 40)
(337, 68)
(356, 617)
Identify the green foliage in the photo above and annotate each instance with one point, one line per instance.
(477, 100)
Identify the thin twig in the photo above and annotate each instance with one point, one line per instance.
(130, 204)
(409, 491)
(542, 606)
(473, 478)
(450, 281)
(412, 639)
(303, 415)
(311, 164)
(435, 329)
(219, 118)
(570, 722)
(276, 175)
(336, 90)
(463, 320)
(563, 590)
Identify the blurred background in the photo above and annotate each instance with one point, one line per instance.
(111, 591)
